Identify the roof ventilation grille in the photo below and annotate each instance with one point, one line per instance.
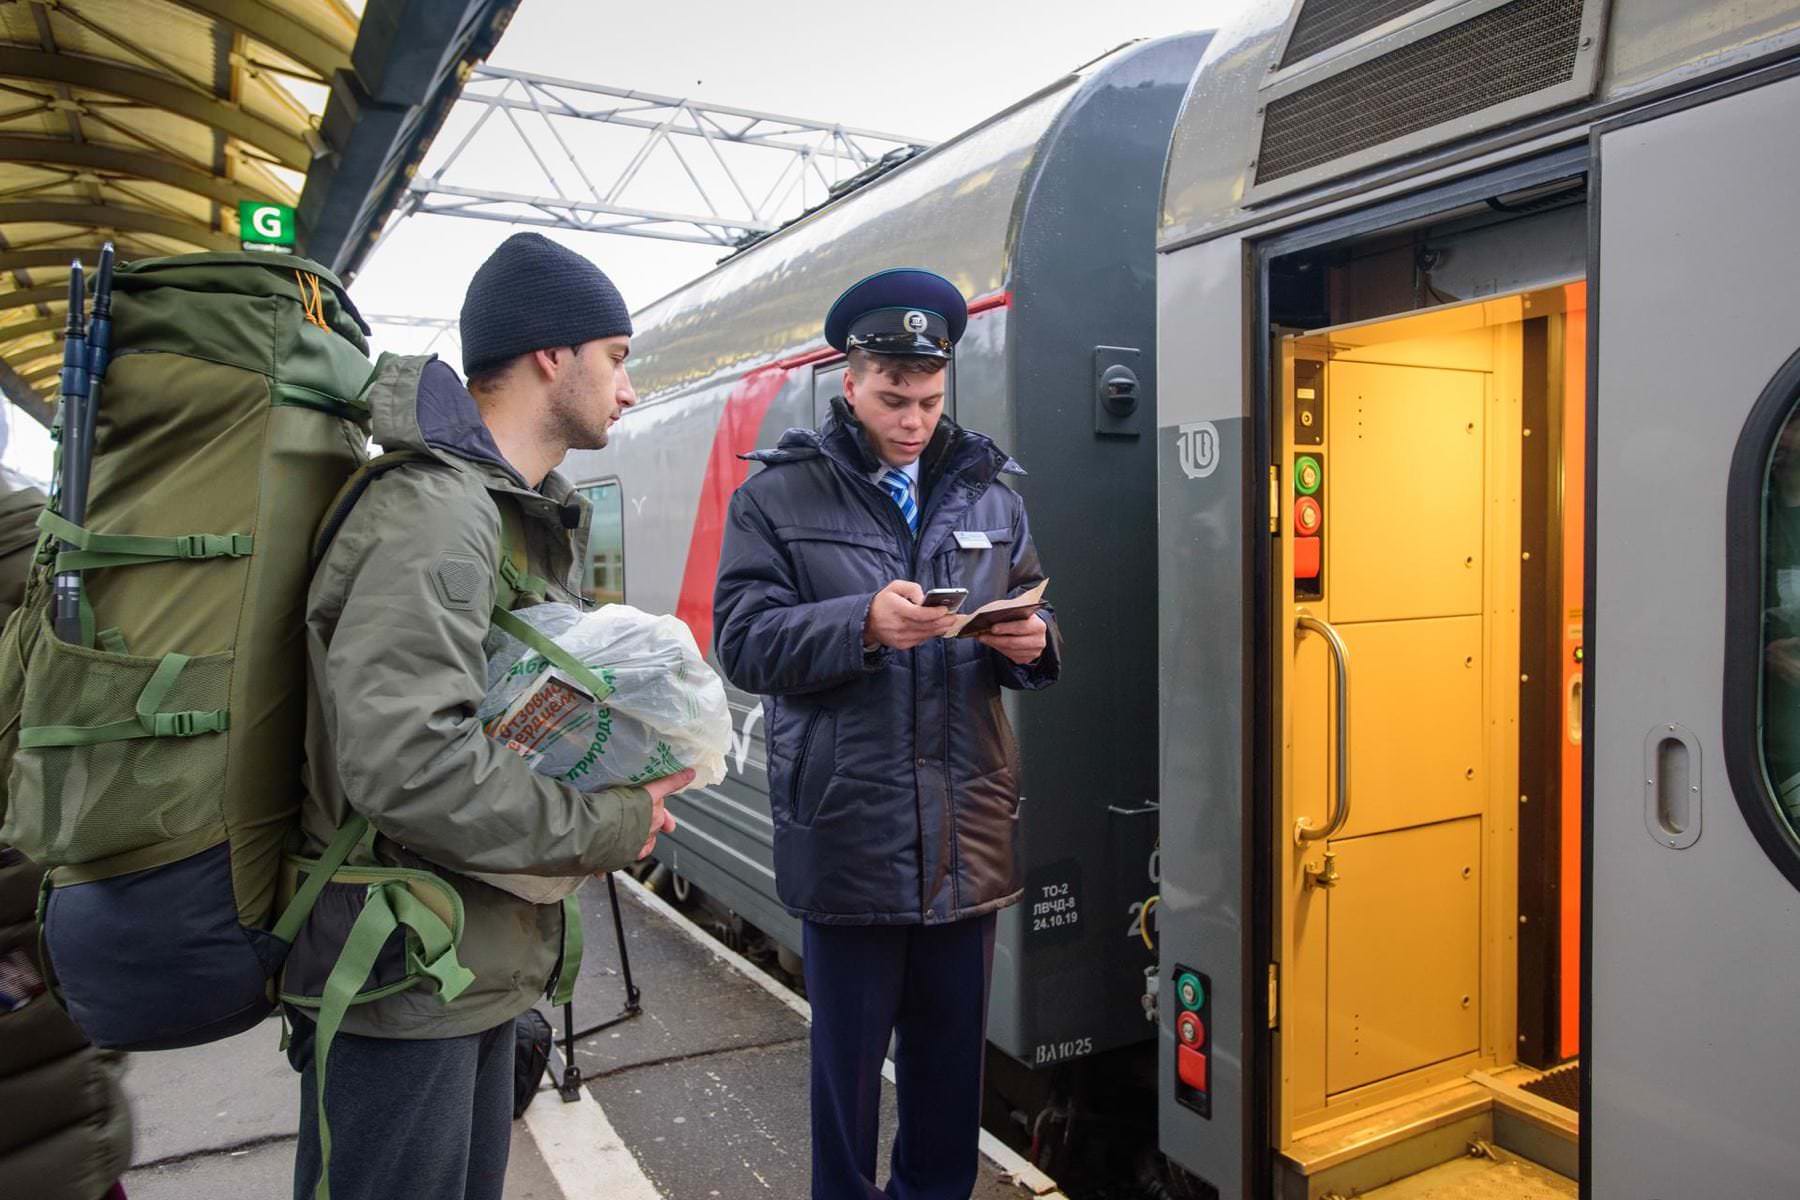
(1508, 61)
(1326, 23)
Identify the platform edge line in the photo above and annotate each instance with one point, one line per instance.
(584, 1153)
(996, 1151)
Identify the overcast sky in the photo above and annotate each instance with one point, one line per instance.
(915, 69)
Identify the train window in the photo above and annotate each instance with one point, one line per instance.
(828, 385)
(606, 544)
(1762, 685)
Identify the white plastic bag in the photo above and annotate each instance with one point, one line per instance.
(667, 710)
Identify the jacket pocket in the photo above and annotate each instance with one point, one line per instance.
(986, 571)
(840, 562)
(813, 767)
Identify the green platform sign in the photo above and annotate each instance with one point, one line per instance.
(263, 226)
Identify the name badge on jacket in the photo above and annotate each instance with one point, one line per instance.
(973, 539)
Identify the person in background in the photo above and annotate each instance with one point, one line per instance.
(893, 773)
(66, 1131)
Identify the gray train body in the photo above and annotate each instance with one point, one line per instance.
(1043, 217)
(1407, 152)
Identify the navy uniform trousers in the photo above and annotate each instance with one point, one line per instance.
(927, 986)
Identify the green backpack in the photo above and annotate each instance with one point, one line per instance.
(156, 769)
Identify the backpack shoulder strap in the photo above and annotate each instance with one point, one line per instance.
(339, 510)
(515, 582)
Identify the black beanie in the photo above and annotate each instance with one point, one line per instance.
(533, 294)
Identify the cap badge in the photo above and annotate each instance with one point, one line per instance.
(914, 321)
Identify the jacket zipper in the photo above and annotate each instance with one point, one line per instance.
(911, 542)
(806, 741)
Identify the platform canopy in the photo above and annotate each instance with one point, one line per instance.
(154, 123)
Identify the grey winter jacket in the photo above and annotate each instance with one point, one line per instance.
(893, 775)
(396, 615)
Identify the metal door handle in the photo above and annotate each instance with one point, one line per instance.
(1340, 813)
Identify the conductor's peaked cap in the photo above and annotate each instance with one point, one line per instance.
(904, 310)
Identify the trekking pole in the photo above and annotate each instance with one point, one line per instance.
(71, 457)
(99, 347)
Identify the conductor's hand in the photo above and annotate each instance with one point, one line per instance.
(661, 819)
(897, 619)
(1021, 641)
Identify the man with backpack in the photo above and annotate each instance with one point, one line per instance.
(464, 510)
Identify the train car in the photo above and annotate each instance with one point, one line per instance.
(1478, 360)
(1043, 216)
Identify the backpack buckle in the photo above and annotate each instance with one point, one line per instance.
(193, 545)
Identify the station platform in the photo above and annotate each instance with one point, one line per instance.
(702, 1096)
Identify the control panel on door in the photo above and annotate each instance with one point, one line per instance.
(1308, 475)
(1193, 1040)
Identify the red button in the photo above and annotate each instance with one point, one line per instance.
(1308, 516)
(1190, 1029)
(1309, 557)
(1190, 1067)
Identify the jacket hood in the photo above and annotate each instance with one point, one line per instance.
(842, 439)
(417, 402)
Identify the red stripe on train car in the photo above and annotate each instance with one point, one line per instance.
(745, 409)
(996, 300)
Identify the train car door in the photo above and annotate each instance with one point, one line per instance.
(1695, 939)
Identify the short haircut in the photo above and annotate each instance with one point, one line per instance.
(492, 375)
(486, 379)
(894, 367)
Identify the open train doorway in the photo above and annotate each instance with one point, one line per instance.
(1428, 504)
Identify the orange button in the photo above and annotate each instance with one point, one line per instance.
(1190, 1066)
(1309, 557)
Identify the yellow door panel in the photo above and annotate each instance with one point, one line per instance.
(1403, 487)
(1404, 931)
(1416, 721)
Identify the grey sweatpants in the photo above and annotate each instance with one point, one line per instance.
(429, 1119)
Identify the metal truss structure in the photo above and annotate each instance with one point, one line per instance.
(443, 325)
(725, 166)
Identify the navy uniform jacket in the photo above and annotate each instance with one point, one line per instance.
(893, 775)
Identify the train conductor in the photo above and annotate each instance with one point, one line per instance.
(893, 774)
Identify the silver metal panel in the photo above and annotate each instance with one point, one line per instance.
(1202, 527)
(1695, 1052)
(1650, 45)
(948, 211)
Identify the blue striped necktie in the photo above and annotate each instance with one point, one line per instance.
(895, 483)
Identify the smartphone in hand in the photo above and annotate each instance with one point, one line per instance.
(948, 598)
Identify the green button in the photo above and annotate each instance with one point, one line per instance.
(1307, 475)
(1188, 988)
